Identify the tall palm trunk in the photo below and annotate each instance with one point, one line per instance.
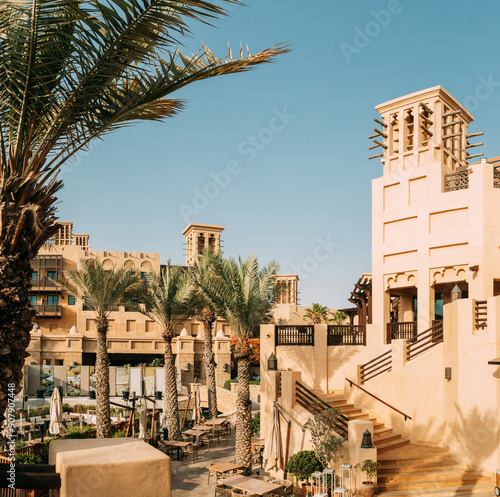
(102, 384)
(208, 318)
(243, 410)
(172, 402)
(15, 322)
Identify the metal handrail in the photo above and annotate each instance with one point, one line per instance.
(310, 401)
(351, 383)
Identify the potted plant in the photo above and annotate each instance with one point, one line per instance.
(302, 465)
(370, 468)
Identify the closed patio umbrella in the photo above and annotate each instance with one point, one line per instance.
(163, 415)
(142, 409)
(273, 452)
(55, 425)
(197, 405)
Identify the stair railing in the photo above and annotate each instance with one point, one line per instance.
(425, 341)
(381, 364)
(315, 405)
(351, 383)
(481, 314)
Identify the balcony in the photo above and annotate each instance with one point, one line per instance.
(48, 310)
(45, 285)
(406, 330)
(458, 180)
(346, 335)
(496, 177)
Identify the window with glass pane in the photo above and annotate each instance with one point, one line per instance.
(51, 274)
(71, 300)
(34, 275)
(52, 299)
(32, 299)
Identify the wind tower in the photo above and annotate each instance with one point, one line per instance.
(200, 237)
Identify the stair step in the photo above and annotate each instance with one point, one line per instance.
(350, 411)
(422, 474)
(386, 438)
(479, 490)
(456, 481)
(415, 466)
(392, 445)
(380, 432)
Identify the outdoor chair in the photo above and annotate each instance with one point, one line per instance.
(224, 490)
(237, 492)
(287, 487)
(191, 450)
(207, 439)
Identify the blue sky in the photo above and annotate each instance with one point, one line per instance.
(287, 142)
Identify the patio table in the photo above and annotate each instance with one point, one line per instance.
(251, 485)
(177, 444)
(222, 468)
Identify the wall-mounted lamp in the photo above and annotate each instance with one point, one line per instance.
(366, 443)
(447, 374)
(272, 363)
(268, 335)
(187, 367)
(225, 367)
(456, 293)
(74, 363)
(474, 268)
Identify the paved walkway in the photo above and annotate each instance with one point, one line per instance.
(189, 476)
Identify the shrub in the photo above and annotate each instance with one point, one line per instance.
(118, 434)
(34, 411)
(303, 464)
(67, 408)
(45, 410)
(27, 459)
(370, 467)
(255, 424)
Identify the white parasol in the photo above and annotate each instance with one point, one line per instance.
(142, 409)
(273, 452)
(55, 425)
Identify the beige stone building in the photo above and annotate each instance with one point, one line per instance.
(419, 364)
(64, 332)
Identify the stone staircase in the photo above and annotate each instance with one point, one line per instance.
(414, 470)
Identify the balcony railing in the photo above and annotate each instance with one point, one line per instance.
(456, 181)
(48, 310)
(44, 283)
(294, 335)
(406, 330)
(346, 335)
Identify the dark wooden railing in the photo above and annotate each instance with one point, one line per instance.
(406, 330)
(481, 314)
(42, 283)
(48, 309)
(425, 341)
(35, 479)
(456, 181)
(346, 335)
(381, 364)
(294, 335)
(315, 405)
(351, 383)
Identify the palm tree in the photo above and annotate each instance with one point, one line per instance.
(170, 301)
(338, 317)
(317, 314)
(71, 72)
(102, 290)
(199, 272)
(243, 294)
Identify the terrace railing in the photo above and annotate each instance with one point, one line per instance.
(481, 314)
(381, 364)
(35, 479)
(456, 181)
(315, 405)
(294, 335)
(406, 330)
(53, 310)
(425, 341)
(346, 335)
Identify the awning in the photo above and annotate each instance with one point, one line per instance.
(496, 361)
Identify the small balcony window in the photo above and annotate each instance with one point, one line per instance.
(71, 300)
